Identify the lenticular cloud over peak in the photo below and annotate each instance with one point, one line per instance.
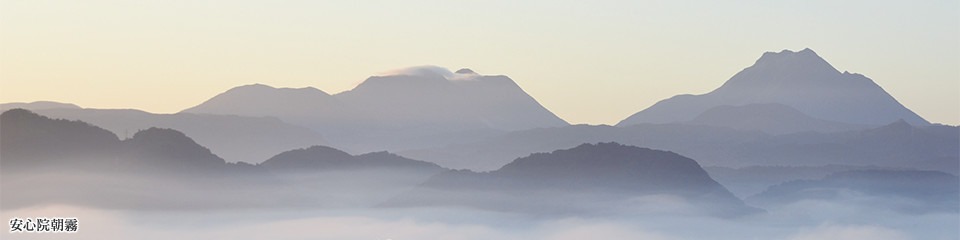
(430, 70)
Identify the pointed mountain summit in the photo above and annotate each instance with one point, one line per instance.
(801, 80)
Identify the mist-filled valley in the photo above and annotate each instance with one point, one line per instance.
(789, 148)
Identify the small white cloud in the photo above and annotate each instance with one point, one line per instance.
(428, 70)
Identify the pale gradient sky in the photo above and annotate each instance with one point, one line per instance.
(591, 62)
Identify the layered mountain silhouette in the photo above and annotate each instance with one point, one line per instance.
(235, 138)
(773, 118)
(801, 80)
(899, 144)
(752, 180)
(36, 105)
(30, 139)
(55, 161)
(410, 110)
(791, 120)
(908, 191)
(932, 147)
(337, 179)
(34, 141)
(165, 169)
(607, 178)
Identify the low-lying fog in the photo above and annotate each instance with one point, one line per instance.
(329, 205)
(802, 220)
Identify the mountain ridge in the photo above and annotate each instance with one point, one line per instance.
(413, 109)
(323, 158)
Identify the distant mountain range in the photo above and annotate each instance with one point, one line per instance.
(429, 107)
(422, 108)
(800, 80)
(30, 140)
(412, 110)
(789, 109)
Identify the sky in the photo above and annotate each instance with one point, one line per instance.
(593, 62)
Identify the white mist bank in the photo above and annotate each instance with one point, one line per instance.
(797, 222)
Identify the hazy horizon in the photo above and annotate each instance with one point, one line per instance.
(431, 119)
(571, 57)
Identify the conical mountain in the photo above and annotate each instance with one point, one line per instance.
(802, 80)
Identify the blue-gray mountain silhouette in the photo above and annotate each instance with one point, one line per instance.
(161, 168)
(931, 147)
(902, 190)
(752, 180)
(322, 158)
(234, 138)
(163, 148)
(29, 141)
(773, 118)
(607, 178)
(338, 179)
(34, 142)
(33, 106)
(801, 80)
